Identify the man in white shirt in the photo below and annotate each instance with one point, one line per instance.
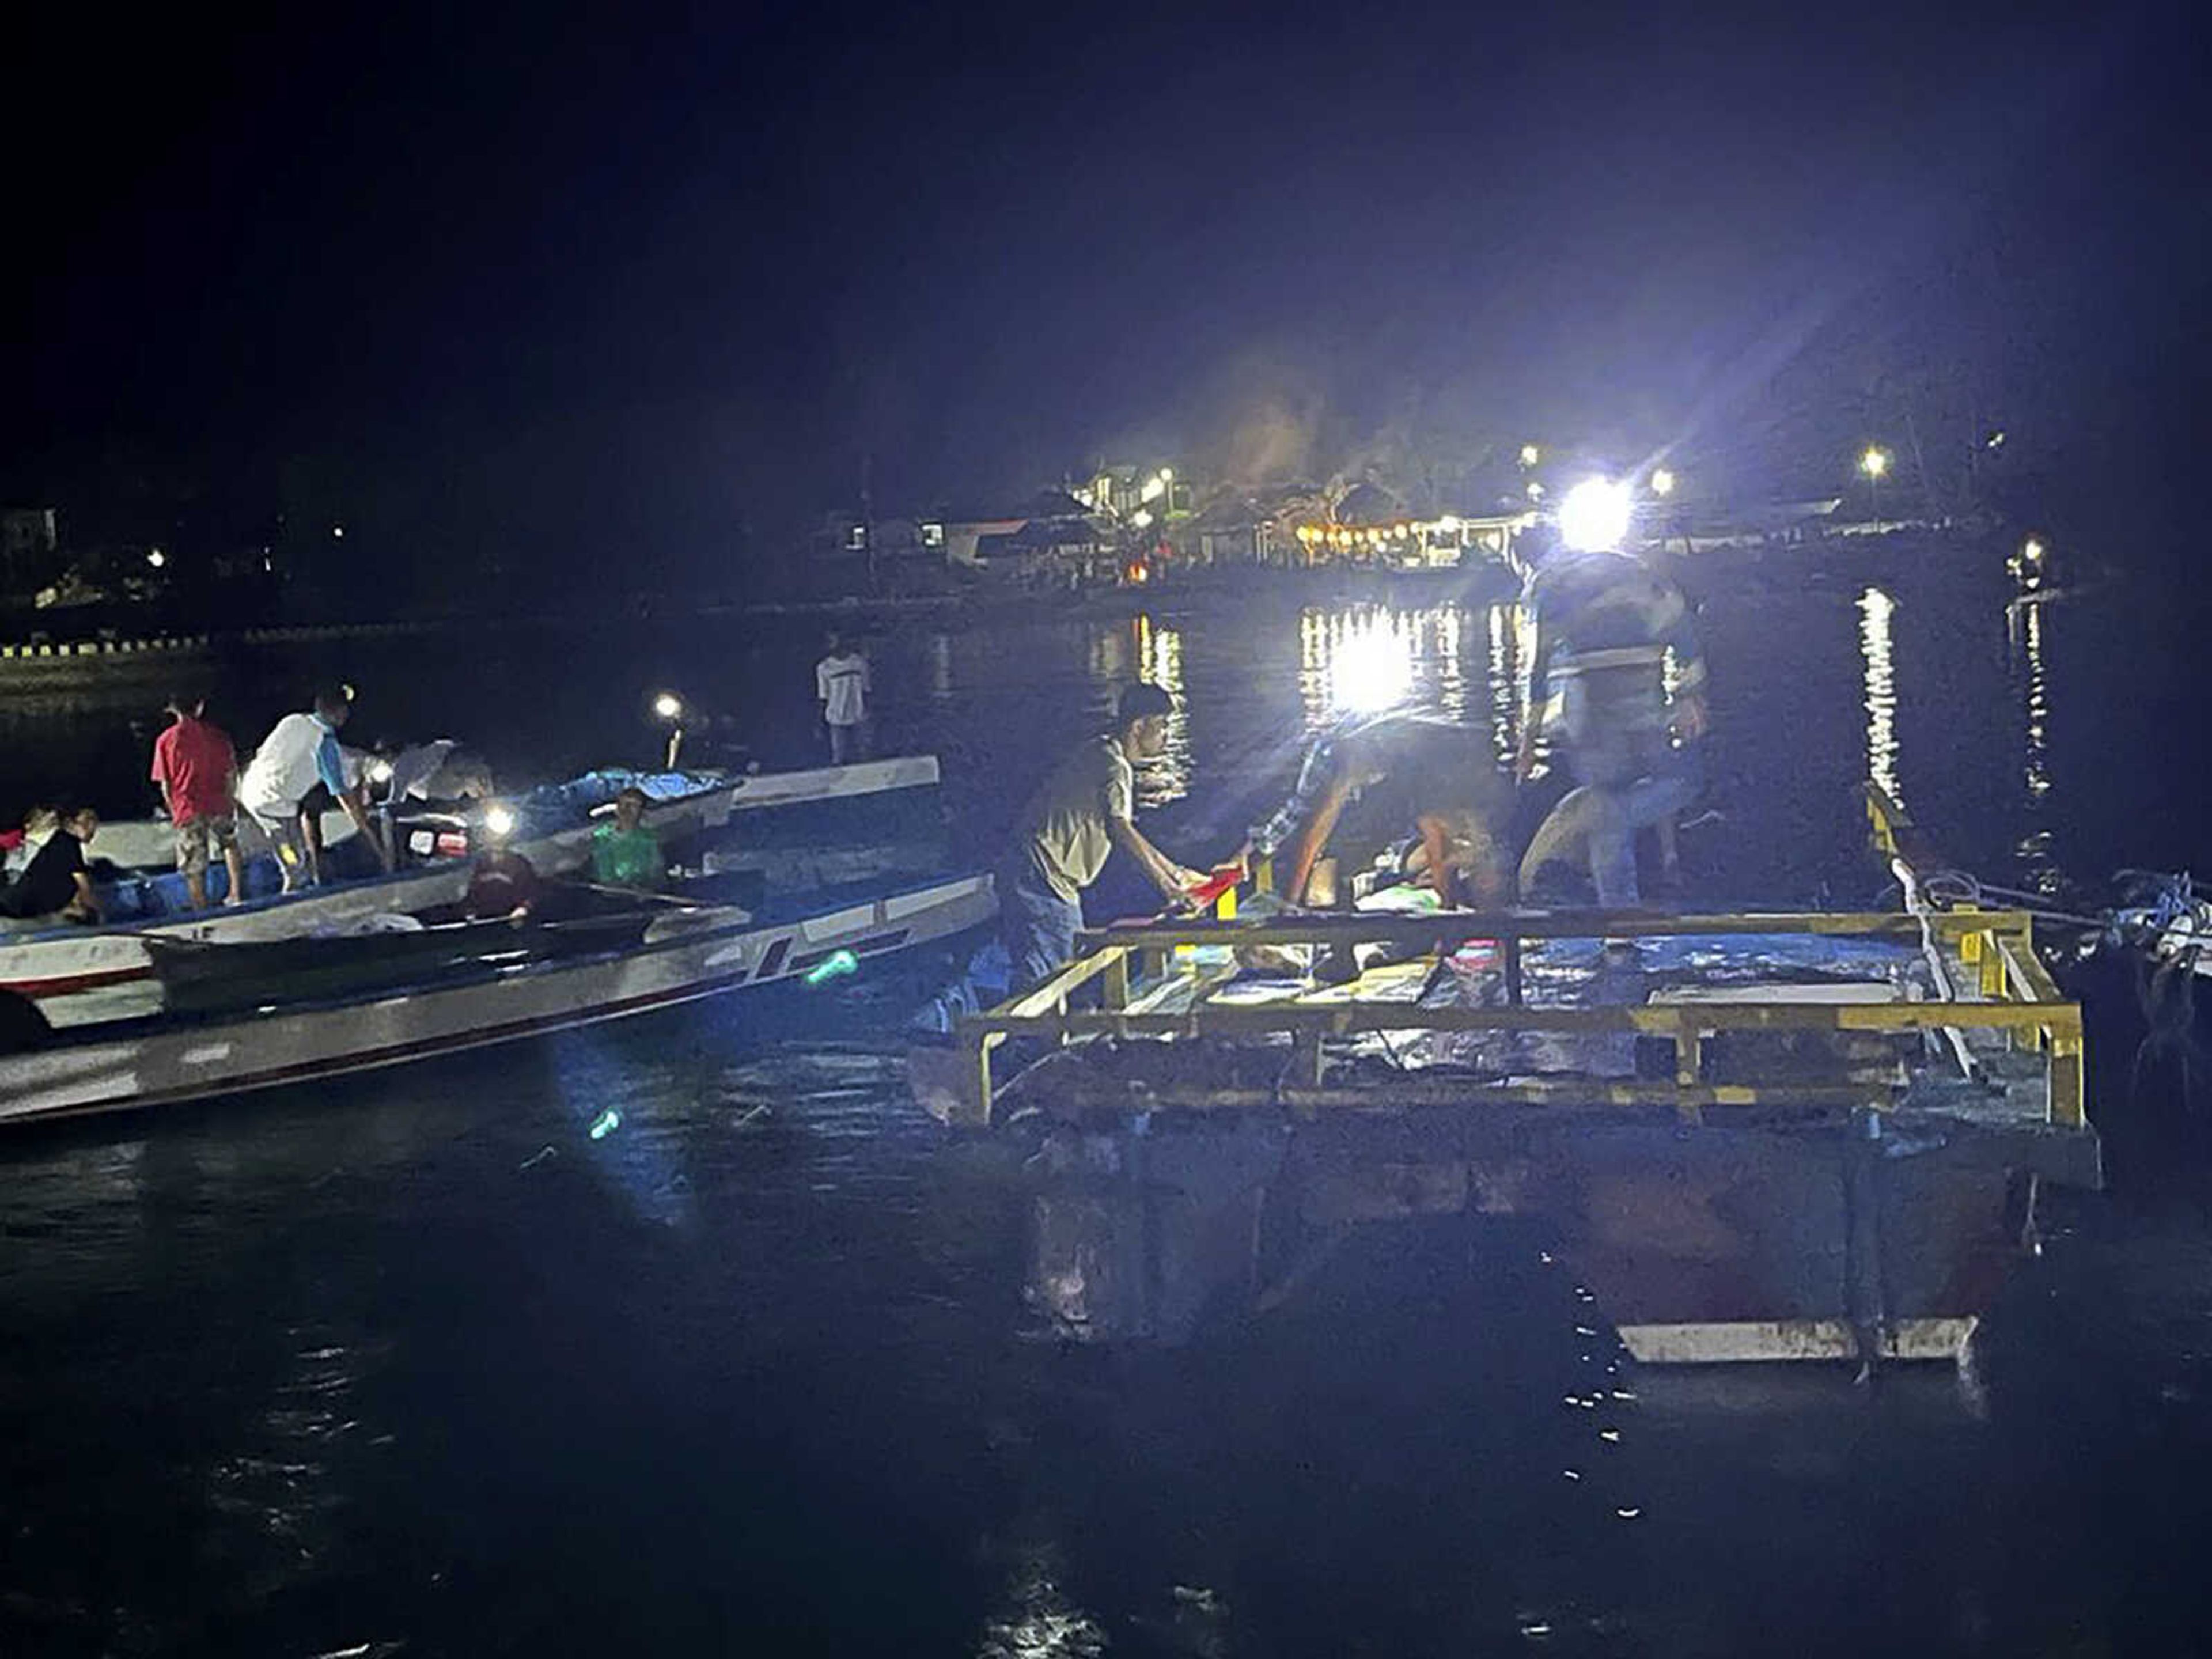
(296, 772)
(841, 686)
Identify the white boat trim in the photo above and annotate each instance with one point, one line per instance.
(763, 789)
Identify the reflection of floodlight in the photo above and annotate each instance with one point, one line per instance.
(157, 558)
(1143, 519)
(1530, 454)
(1874, 462)
(1593, 516)
(1662, 482)
(668, 705)
(1371, 670)
(499, 820)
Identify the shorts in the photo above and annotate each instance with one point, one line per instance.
(197, 837)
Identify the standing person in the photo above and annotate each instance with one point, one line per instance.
(841, 685)
(296, 773)
(1605, 624)
(57, 883)
(198, 771)
(1083, 810)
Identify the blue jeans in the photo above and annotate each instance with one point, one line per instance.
(1036, 939)
(1637, 779)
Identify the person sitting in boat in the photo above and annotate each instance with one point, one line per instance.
(1083, 811)
(1605, 624)
(22, 845)
(625, 851)
(58, 886)
(198, 772)
(296, 774)
(1436, 777)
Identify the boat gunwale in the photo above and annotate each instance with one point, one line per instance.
(95, 1034)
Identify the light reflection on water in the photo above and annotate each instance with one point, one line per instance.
(1876, 649)
(1159, 652)
(2037, 854)
(1505, 681)
(1038, 1620)
(1366, 659)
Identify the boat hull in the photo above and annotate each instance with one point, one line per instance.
(74, 973)
(169, 1061)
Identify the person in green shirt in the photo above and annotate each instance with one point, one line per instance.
(625, 852)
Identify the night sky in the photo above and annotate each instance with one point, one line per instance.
(585, 280)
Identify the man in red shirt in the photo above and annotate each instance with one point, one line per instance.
(198, 770)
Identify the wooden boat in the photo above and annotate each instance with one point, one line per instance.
(486, 997)
(62, 968)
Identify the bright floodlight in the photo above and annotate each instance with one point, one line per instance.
(1874, 463)
(1530, 454)
(1662, 482)
(1167, 475)
(668, 705)
(157, 558)
(2033, 552)
(1593, 516)
(499, 820)
(380, 771)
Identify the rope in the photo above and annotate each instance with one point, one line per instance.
(1918, 908)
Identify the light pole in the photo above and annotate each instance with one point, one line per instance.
(1874, 463)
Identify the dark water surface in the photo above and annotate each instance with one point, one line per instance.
(410, 1364)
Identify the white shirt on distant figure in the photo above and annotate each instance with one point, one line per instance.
(842, 684)
(298, 752)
